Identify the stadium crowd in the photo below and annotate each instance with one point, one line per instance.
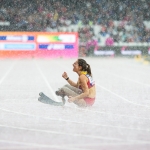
(100, 20)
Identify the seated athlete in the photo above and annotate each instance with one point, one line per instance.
(83, 92)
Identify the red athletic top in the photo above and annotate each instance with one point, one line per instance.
(90, 82)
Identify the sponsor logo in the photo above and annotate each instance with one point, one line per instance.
(64, 38)
(104, 52)
(18, 38)
(17, 46)
(131, 52)
(56, 46)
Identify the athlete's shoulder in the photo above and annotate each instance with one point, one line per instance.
(82, 77)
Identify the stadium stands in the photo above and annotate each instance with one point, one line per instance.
(105, 21)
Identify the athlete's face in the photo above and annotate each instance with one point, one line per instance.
(76, 67)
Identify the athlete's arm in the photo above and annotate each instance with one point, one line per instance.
(72, 83)
(65, 76)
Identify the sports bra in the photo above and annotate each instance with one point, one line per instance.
(90, 82)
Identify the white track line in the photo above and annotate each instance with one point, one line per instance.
(66, 147)
(148, 107)
(7, 72)
(76, 122)
(80, 109)
(64, 133)
(70, 134)
(26, 145)
(47, 83)
(94, 111)
(59, 133)
(108, 144)
(124, 78)
(122, 97)
(39, 145)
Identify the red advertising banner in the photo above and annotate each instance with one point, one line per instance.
(38, 44)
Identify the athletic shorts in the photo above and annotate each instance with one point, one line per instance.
(89, 101)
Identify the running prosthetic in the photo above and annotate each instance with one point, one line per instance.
(45, 99)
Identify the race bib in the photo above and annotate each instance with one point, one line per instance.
(92, 82)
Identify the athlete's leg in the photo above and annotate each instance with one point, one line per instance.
(61, 92)
(76, 90)
(69, 90)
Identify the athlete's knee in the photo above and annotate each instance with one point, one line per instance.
(67, 85)
(65, 90)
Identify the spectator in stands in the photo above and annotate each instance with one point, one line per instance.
(123, 20)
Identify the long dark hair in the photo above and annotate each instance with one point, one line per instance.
(85, 66)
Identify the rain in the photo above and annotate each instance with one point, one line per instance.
(41, 41)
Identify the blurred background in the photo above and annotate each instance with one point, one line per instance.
(97, 28)
(110, 35)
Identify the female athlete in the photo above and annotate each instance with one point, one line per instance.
(83, 92)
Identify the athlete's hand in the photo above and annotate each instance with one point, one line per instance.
(71, 99)
(64, 75)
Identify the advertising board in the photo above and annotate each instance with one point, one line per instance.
(38, 44)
